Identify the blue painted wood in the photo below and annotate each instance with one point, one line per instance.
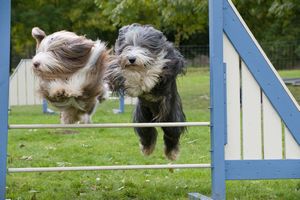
(217, 98)
(261, 71)
(262, 169)
(225, 102)
(4, 82)
(122, 102)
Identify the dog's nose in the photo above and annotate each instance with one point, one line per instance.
(36, 64)
(131, 59)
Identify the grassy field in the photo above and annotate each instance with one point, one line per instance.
(43, 148)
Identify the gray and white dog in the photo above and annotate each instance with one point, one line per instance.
(147, 66)
(70, 69)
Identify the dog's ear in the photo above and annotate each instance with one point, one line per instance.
(179, 62)
(121, 38)
(38, 34)
(123, 30)
(176, 65)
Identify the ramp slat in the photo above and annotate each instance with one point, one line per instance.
(231, 58)
(251, 116)
(292, 149)
(272, 131)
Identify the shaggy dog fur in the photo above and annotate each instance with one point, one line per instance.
(70, 69)
(147, 66)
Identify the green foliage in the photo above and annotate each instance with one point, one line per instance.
(80, 16)
(181, 17)
(275, 23)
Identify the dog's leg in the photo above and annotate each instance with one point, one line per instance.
(147, 135)
(69, 116)
(171, 140)
(85, 119)
(172, 134)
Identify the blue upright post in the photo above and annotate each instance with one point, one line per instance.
(4, 81)
(122, 102)
(47, 110)
(217, 96)
(45, 106)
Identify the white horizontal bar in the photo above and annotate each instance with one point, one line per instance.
(107, 125)
(101, 168)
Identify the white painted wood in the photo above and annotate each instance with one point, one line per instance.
(23, 84)
(30, 83)
(292, 149)
(263, 53)
(13, 92)
(251, 120)
(231, 58)
(21, 76)
(108, 125)
(37, 98)
(114, 167)
(272, 131)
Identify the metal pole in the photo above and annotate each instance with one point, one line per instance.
(122, 102)
(45, 106)
(4, 84)
(107, 125)
(101, 168)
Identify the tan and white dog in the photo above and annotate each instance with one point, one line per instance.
(71, 70)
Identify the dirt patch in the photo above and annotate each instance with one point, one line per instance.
(65, 132)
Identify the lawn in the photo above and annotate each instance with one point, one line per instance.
(49, 147)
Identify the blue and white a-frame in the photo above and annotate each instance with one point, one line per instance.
(255, 129)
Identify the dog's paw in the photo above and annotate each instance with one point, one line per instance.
(172, 154)
(147, 150)
(59, 94)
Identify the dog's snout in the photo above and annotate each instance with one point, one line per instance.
(131, 59)
(36, 64)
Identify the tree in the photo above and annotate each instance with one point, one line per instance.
(80, 16)
(276, 25)
(181, 17)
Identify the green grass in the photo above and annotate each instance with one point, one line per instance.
(83, 147)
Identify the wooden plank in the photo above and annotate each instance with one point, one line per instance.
(30, 82)
(13, 91)
(21, 85)
(272, 131)
(292, 149)
(37, 99)
(231, 58)
(262, 169)
(251, 119)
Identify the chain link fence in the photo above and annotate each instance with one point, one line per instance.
(283, 55)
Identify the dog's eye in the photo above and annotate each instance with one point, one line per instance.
(125, 47)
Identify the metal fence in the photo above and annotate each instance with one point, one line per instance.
(195, 55)
(283, 55)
